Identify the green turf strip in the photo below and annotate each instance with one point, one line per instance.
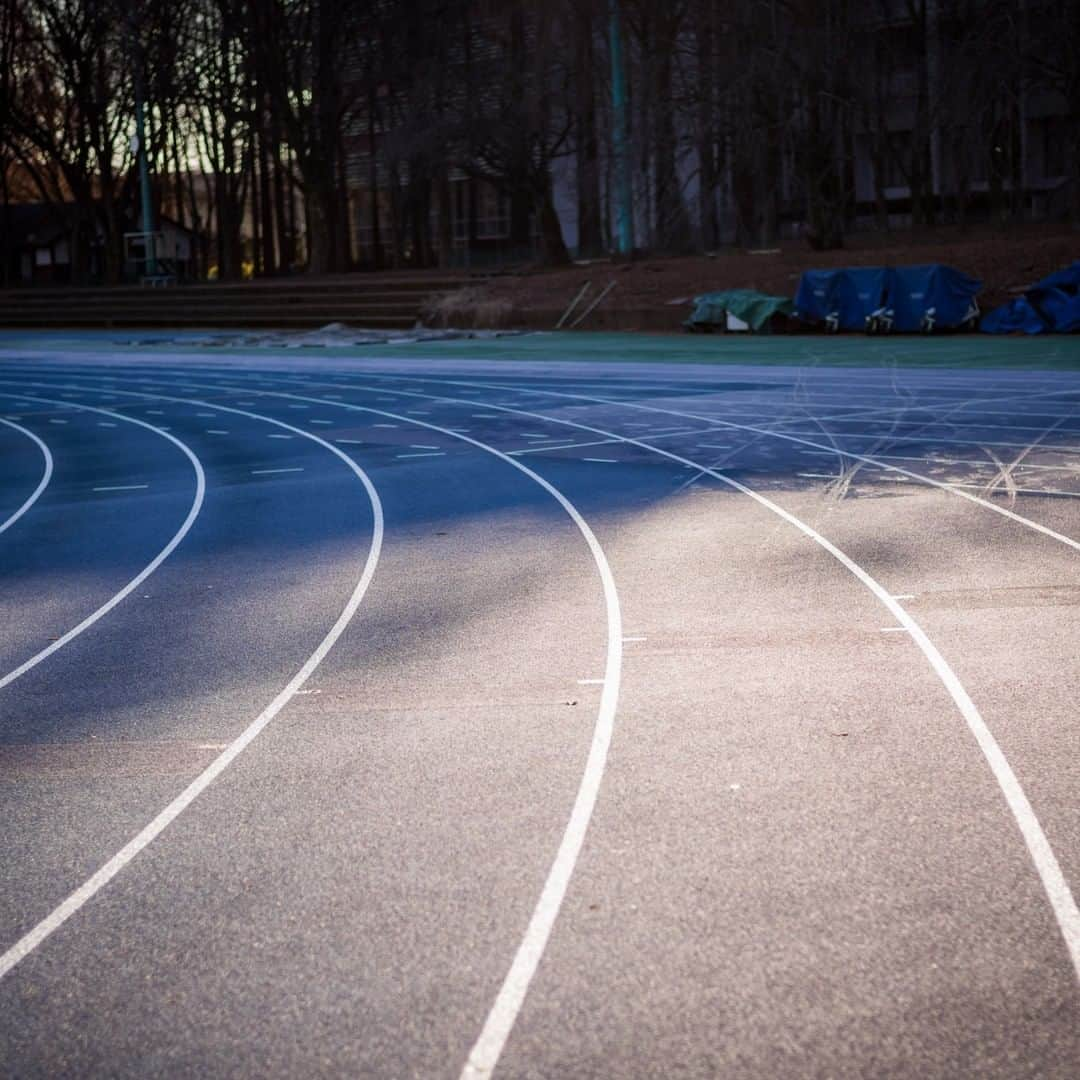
(956, 351)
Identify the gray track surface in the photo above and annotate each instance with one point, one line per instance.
(799, 863)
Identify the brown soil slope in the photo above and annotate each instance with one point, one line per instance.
(647, 292)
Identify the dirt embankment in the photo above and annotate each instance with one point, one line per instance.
(655, 293)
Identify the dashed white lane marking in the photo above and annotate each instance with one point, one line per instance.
(422, 446)
(121, 487)
(54, 421)
(42, 484)
(205, 415)
(429, 453)
(266, 472)
(384, 425)
(715, 446)
(602, 460)
(817, 475)
(216, 431)
(904, 596)
(1056, 887)
(313, 421)
(484, 416)
(279, 436)
(105, 423)
(350, 442)
(56, 918)
(562, 446)
(135, 582)
(155, 412)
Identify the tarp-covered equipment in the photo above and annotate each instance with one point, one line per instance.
(754, 310)
(1050, 307)
(882, 299)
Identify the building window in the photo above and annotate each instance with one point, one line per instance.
(492, 213)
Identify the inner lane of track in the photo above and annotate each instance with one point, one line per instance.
(986, 871)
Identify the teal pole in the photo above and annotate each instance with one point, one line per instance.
(144, 167)
(624, 221)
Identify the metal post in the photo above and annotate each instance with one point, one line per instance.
(144, 168)
(624, 221)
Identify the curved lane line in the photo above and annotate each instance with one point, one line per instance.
(1018, 518)
(485, 1054)
(1061, 899)
(162, 555)
(94, 884)
(511, 996)
(45, 478)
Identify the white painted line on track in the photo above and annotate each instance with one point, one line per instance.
(216, 431)
(562, 446)
(105, 423)
(135, 582)
(266, 472)
(386, 425)
(503, 1014)
(1054, 883)
(903, 596)
(423, 446)
(429, 453)
(121, 487)
(58, 421)
(602, 460)
(279, 436)
(350, 442)
(320, 421)
(42, 484)
(894, 629)
(56, 918)
(869, 460)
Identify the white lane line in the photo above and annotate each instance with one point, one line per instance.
(429, 453)
(56, 918)
(894, 629)
(43, 483)
(320, 421)
(266, 472)
(216, 431)
(121, 487)
(350, 442)
(279, 436)
(562, 446)
(206, 415)
(105, 423)
(511, 996)
(869, 460)
(422, 446)
(602, 460)
(904, 596)
(818, 475)
(385, 425)
(135, 582)
(59, 421)
(1054, 883)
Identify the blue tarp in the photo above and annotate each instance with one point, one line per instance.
(931, 297)
(841, 299)
(1050, 307)
(906, 298)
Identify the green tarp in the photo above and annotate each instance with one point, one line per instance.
(753, 308)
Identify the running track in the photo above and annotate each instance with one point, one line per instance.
(428, 717)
